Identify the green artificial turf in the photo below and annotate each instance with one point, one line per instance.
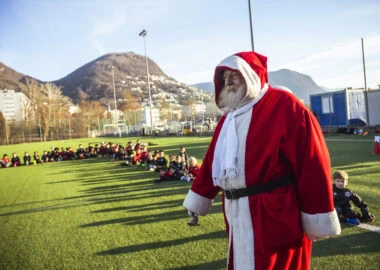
(97, 214)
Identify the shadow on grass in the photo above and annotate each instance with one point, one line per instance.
(170, 243)
(145, 195)
(359, 243)
(57, 206)
(139, 220)
(149, 218)
(144, 207)
(219, 264)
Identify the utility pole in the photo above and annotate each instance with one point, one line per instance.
(251, 24)
(114, 96)
(365, 85)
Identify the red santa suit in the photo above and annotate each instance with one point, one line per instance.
(276, 136)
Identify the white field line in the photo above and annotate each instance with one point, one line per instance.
(369, 227)
(349, 140)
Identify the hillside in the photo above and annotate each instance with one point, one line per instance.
(11, 79)
(302, 85)
(94, 80)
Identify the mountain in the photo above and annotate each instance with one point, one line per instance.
(11, 79)
(301, 85)
(205, 86)
(93, 81)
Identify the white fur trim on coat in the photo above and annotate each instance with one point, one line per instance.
(318, 226)
(197, 204)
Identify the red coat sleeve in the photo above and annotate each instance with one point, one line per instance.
(304, 146)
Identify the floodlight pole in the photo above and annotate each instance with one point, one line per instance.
(251, 24)
(143, 34)
(114, 96)
(365, 85)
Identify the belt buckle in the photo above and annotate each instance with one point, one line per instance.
(232, 193)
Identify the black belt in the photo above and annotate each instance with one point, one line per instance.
(233, 194)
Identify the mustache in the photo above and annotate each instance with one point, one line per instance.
(231, 97)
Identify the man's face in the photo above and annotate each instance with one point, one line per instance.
(233, 91)
(232, 80)
(340, 183)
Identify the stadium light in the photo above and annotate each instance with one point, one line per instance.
(143, 34)
(114, 96)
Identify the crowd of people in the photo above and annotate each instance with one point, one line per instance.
(179, 167)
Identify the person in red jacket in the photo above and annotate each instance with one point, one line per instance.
(5, 161)
(269, 158)
(193, 169)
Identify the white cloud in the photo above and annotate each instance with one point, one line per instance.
(196, 77)
(341, 64)
(108, 26)
(360, 11)
(99, 47)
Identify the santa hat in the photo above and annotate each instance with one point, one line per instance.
(251, 65)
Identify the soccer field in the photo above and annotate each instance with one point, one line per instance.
(96, 214)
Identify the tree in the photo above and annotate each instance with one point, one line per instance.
(130, 106)
(89, 115)
(48, 105)
(4, 129)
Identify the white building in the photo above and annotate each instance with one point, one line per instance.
(13, 105)
(146, 116)
(193, 109)
(373, 98)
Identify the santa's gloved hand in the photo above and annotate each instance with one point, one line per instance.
(194, 219)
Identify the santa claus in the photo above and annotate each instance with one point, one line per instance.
(269, 158)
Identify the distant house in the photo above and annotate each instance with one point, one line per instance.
(340, 108)
(13, 105)
(374, 107)
(114, 114)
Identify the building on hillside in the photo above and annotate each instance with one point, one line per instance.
(74, 109)
(193, 110)
(13, 105)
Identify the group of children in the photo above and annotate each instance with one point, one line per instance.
(180, 167)
(56, 154)
(177, 167)
(110, 149)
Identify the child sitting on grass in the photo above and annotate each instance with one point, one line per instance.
(176, 171)
(193, 170)
(27, 159)
(342, 198)
(36, 158)
(5, 161)
(15, 160)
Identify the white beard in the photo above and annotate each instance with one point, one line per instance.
(230, 100)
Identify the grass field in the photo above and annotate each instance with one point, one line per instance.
(96, 214)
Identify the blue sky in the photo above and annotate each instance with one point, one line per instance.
(50, 39)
